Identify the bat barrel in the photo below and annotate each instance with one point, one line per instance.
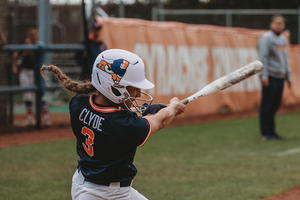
(227, 80)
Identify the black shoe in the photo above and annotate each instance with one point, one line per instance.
(278, 137)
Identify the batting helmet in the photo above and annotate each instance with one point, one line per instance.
(114, 70)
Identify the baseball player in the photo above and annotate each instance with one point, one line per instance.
(108, 129)
(27, 61)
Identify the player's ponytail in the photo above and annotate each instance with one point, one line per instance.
(84, 88)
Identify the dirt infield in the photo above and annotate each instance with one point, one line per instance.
(292, 194)
(19, 134)
(60, 129)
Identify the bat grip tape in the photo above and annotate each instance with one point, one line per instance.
(185, 101)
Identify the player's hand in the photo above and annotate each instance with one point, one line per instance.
(179, 107)
(265, 82)
(154, 108)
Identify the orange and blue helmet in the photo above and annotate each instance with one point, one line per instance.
(116, 69)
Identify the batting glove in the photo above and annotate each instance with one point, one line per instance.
(152, 109)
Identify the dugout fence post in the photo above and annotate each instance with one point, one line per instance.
(121, 9)
(39, 83)
(44, 23)
(229, 18)
(10, 83)
(154, 14)
(161, 7)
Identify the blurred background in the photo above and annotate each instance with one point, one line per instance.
(66, 22)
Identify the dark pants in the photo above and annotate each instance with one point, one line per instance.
(270, 102)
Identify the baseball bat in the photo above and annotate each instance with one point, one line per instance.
(227, 80)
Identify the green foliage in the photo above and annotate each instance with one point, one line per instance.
(223, 160)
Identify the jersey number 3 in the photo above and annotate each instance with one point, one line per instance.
(89, 141)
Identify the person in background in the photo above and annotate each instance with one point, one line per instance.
(24, 64)
(95, 46)
(273, 53)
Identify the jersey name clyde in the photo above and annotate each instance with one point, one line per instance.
(91, 119)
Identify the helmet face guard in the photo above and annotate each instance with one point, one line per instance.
(136, 106)
(114, 70)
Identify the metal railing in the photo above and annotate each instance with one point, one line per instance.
(159, 14)
(39, 88)
(44, 24)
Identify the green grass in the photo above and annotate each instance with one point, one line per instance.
(223, 160)
(38, 171)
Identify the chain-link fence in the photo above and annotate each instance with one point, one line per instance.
(21, 85)
(60, 36)
(254, 19)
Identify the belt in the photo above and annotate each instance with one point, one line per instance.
(122, 183)
(105, 183)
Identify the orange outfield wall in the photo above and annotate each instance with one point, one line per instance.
(181, 59)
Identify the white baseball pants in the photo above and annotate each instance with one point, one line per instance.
(83, 190)
(26, 78)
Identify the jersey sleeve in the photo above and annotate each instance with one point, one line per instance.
(264, 47)
(142, 130)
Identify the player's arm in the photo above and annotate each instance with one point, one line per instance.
(263, 53)
(287, 65)
(165, 115)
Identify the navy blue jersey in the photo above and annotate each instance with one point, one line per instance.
(107, 138)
